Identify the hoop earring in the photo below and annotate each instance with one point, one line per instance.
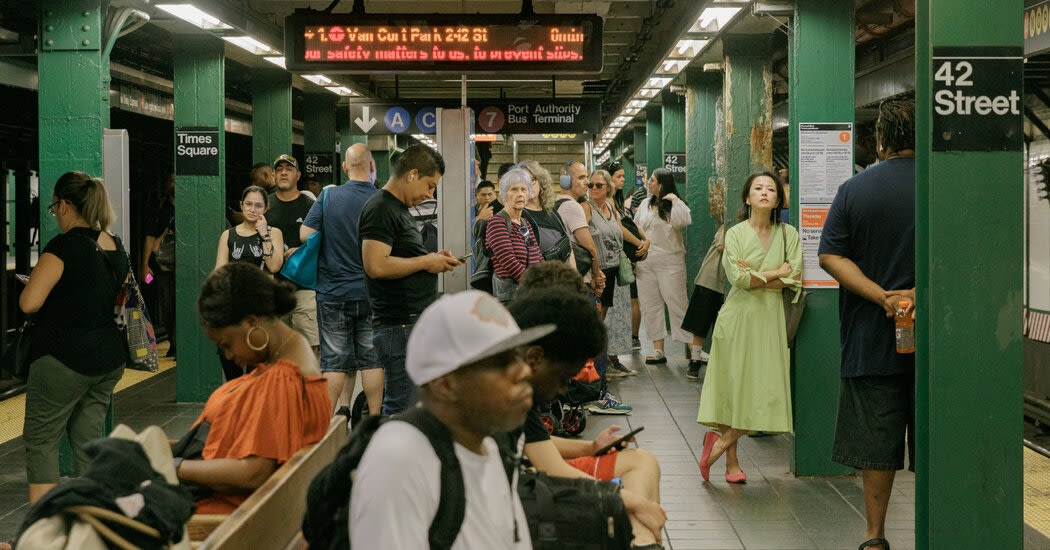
(248, 337)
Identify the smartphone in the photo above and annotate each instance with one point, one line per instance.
(619, 443)
(464, 258)
(149, 278)
(21, 277)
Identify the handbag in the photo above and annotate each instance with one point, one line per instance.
(629, 249)
(165, 254)
(131, 317)
(301, 265)
(625, 275)
(793, 308)
(583, 514)
(16, 357)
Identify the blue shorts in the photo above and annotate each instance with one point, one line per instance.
(346, 336)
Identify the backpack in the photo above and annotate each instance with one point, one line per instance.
(584, 259)
(576, 513)
(325, 524)
(483, 270)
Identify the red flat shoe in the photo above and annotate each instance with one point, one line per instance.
(736, 478)
(709, 443)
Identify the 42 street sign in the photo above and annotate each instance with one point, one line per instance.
(977, 98)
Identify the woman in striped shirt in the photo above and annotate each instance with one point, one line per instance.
(511, 241)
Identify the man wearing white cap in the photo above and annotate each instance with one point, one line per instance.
(463, 354)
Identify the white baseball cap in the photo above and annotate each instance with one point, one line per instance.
(462, 328)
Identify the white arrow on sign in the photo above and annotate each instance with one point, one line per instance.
(368, 121)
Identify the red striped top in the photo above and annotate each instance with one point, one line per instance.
(512, 252)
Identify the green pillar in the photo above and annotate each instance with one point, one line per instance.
(654, 153)
(701, 104)
(748, 112)
(640, 157)
(627, 138)
(271, 114)
(73, 95)
(199, 89)
(969, 325)
(672, 129)
(821, 80)
(319, 130)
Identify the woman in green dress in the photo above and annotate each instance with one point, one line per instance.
(746, 388)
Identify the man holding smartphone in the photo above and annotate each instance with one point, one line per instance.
(400, 274)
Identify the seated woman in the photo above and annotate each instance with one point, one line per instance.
(256, 422)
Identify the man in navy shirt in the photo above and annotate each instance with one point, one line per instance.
(343, 313)
(868, 246)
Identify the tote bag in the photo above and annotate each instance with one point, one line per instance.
(301, 265)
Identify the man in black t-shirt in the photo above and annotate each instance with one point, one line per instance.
(288, 209)
(555, 359)
(400, 275)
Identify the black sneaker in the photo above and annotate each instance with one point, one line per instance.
(694, 370)
(636, 343)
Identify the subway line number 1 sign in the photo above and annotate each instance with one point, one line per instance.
(978, 100)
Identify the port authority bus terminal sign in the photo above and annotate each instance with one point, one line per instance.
(522, 116)
(977, 98)
(457, 44)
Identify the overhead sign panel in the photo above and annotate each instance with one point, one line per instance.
(455, 44)
(525, 116)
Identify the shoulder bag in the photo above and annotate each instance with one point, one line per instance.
(131, 317)
(584, 259)
(793, 309)
(165, 254)
(301, 265)
(16, 357)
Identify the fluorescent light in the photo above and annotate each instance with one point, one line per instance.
(720, 16)
(340, 90)
(658, 82)
(672, 66)
(276, 60)
(624, 119)
(250, 44)
(631, 111)
(194, 16)
(688, 48)
(319, 79)
(638, 103)
(648, 92)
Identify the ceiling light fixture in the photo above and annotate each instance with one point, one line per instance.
(251, 44)
(194, 16)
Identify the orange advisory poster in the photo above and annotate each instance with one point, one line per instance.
(811, 225)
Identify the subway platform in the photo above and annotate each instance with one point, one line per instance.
(774, 510)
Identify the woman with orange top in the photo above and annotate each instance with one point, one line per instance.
(256, 422)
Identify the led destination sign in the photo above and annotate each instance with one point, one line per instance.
(456, 44)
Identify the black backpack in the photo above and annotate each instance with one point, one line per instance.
(574, 513)
(326, 522)
(481, 279)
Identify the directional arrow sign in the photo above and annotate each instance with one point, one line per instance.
(367, 122)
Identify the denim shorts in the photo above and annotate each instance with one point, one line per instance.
(346, 336)
(876, 421)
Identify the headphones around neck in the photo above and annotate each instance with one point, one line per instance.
(565, 181)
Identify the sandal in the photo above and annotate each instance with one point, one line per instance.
(885, 544)
(656, 359)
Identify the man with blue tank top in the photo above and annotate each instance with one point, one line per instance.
(343, 314)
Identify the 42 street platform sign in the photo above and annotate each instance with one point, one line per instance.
(526, 116)
(977, 98)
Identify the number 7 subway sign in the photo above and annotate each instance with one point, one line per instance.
(977, 99)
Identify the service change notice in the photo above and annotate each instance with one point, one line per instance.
(825, 160)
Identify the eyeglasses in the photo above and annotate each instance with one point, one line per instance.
(51, 208)
(254, 205)
(595, 185)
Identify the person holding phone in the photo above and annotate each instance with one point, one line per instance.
(510, 237)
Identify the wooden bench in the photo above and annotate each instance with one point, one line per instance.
(272, 516)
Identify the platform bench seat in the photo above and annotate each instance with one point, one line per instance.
(272, 516)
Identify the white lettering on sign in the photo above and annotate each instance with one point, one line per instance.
(196, 139)
(189, 151)
(960, 75)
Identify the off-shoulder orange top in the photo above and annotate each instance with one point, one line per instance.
(271, 412)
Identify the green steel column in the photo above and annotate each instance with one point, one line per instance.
(672, 129)
(821, 64)
(319, 130)
(73, 95)
(969, 329)
(627, 139)
(271, 114)
(199, 89)
(640, 157)
(748, 113)
(701, 102)
(654, 152)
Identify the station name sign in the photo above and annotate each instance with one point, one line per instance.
(197, 151)
(977, 98)
(455, 44)
(523, 116)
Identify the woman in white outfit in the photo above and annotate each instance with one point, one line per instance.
(661, 277)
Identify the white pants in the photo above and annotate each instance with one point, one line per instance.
(661, 280)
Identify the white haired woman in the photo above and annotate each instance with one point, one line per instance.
(509, 236)
(550, 231)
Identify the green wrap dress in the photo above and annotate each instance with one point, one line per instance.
(747, 384)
